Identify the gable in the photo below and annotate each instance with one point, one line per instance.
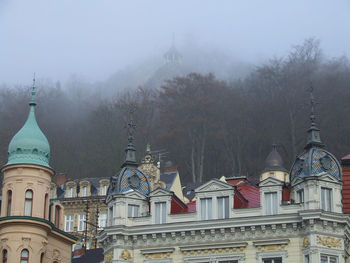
(329, 178)
(214, 185)
(270, 181)
(134, 194)
(160, 192)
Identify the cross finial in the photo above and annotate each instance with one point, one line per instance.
(131, 125)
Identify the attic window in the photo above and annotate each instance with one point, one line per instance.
(272, 174)
(84, 191)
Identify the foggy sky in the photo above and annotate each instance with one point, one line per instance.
(95, 38)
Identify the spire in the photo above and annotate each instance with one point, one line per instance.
(32, 101)
(130, 157)
(313, 133)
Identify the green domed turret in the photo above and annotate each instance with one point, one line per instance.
(29, 145)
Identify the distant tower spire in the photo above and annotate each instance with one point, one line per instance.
(313, 137)
(130, 156)
(32, 101)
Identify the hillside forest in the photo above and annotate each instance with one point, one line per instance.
(205, 126)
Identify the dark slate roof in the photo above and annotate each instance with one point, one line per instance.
(274, 161)
(168, 178)
(189, 190)
(91, 256)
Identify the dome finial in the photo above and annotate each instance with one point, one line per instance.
(130, 158)
(32, 101)
(314, 138)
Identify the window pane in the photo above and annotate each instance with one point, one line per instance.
(157, 213)
(220, 207)
(203, 208)
(163, 212)
(227, 207)
(209, 208)
(28, 208)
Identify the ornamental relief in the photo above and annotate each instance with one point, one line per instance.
(330, 242)
(109, 257)
(160, 255)
(306, 242)
(125, 255)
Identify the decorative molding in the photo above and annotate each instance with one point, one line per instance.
(158, 253)
(330, 242)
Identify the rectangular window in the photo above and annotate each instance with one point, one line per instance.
(306, 259)
(84, 191)
(326, 199)
(110, 215)
(271, 203)
(133, 210)
(82, 223)
(102, 220)
(328, 259)
(300, 194)
(69, 223)
(206, 208)
(272, 260)
(223, 207)
(160, 212)
(104, 190)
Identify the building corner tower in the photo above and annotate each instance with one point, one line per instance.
(30, 228)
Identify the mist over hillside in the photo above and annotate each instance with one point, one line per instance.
(209, 124)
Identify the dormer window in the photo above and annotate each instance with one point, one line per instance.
(223, 207)
(71, 192)
(160, 212)
(206, 208)
(326, 199)
(271, 203)
(104, 189)
(272, 174)
(84, 191)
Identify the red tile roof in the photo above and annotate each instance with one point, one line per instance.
(249, 192)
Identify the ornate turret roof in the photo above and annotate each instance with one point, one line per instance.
(315, 160)
(274, 161)
(129, 178)
(29, 145)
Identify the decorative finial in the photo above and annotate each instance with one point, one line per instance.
(131, 125)
(32, 101)
(312, 104)
(148, 148)
(314, 138)
(130, 156)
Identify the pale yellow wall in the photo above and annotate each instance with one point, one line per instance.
(280, 175)
(21, 178)
(30, 233)
(177, 188)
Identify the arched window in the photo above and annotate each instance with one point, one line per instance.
(9, 202)
(4, 256)
(25, 256)
(46, 204)
(28, 203)
(57, 216)
(42, 258)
